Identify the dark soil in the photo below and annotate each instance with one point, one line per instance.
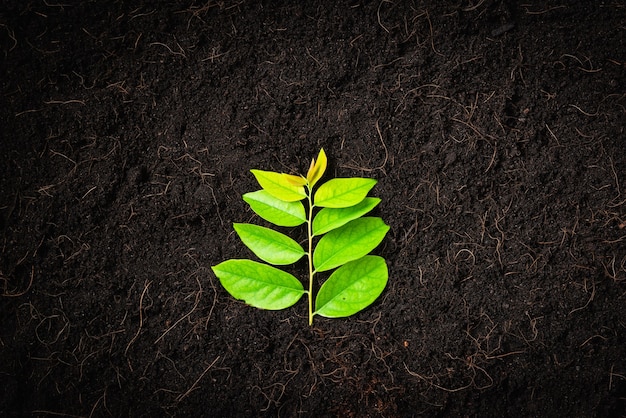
(496, 130)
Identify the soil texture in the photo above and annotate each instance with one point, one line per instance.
(495, 129)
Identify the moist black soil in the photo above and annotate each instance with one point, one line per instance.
(496, 132)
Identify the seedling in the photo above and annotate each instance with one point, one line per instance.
(339, 238)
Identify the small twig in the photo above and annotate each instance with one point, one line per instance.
(412, 373)
(593, 293)
(145, 289)
(30, 283)
(619, 193)
(27, 111)
(182, 54)
(432, 40)
(553, 136)
(64, 102)
(583, 112)
(195, 384)
(382, 141)
(378, 16)
(11, 36)
(591, 338)
(611, 374)
(195, 305)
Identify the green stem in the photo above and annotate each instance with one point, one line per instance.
(309, 223)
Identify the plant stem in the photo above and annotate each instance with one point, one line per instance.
(309, 224)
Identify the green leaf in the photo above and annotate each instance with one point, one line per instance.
(258, 284)
(279, 186)
(352, 287)
(343, 192)
(269, 245)
(350, 242)
(274, 210)
(331, 218)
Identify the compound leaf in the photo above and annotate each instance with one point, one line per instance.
(258, 284)
(269, 245)
(331, 218)
(279, 186)
(346, 238)
(350, 242)
(352, 287)
(343, 192)
(274, 210)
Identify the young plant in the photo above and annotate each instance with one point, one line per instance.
(338, 237)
